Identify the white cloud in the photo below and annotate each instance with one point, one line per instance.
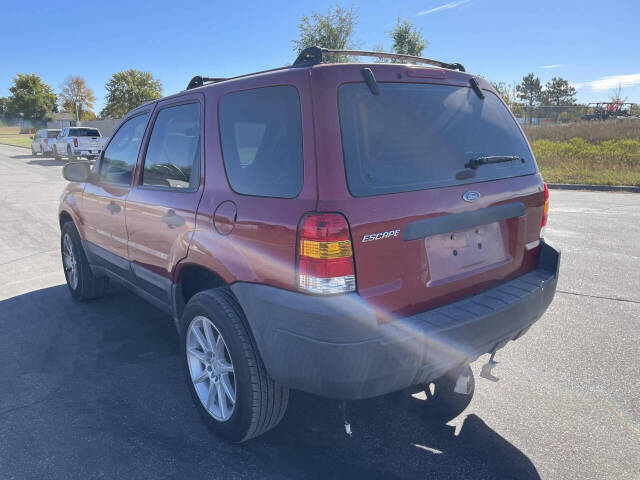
(610, 82)
(553, 65)
(446, 6)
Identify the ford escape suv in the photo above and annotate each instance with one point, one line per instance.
(348, 230)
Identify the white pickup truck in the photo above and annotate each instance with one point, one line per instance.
(74, 142)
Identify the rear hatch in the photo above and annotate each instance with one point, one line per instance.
(430, 222)
(88, 138)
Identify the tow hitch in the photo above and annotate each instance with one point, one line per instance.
(487, 367)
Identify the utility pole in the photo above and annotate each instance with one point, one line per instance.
(77, 117)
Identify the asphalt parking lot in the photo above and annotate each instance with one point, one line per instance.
(95, 390)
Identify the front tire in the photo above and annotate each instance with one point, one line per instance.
(82, 283)
(225, 375)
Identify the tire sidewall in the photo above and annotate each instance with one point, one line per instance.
(238, 424)
(70, 229)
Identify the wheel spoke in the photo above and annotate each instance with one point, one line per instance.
(211, 395)
(206, 326)
(226, 387)
(222, 403)
(220, 348)
(199, 355)
(201, 378)
(225, 367)
(201, 340)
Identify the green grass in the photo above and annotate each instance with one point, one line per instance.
(599, 153)
(19, 140)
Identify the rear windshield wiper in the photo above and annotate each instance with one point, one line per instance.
(476, 162)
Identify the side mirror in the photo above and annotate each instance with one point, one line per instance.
(31, 137)
(77, 171)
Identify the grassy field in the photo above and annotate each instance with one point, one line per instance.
(11, 136)
(601, 153)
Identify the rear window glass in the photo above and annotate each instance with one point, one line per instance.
(261, 135)
(84, 132)
(52, 133)
(419, 136)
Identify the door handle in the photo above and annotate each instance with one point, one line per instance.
(114, 208)
(172, 219)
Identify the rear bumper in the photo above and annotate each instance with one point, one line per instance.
(94, 152)
(334, 347)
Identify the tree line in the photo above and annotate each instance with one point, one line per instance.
(31, 98)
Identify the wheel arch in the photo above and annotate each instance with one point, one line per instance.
(64, 217)
(191, 279)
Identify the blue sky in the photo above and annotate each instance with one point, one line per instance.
(593, 44)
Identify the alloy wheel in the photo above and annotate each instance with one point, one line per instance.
(69, 261)
(211, 368)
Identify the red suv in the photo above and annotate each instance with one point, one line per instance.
(348, 230)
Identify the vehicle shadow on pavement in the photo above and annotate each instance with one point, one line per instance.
(97, 389)
(47, 162)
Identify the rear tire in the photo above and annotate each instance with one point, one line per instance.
(442, 404)
(71, 157)
(56, 155)
(33, 152)
(259, 403)
(82, 283)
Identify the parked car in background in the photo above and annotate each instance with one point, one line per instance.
(367, 229)
(43, 141)
(75, 142)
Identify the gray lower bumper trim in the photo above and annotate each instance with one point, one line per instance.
(334, 346)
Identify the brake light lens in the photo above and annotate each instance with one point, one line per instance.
(325, 256)
(545, 211)
(46, 141)
(75, 142)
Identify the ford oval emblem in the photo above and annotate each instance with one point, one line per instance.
(471, 196)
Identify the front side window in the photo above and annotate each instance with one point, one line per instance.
(121, 154)
(173, 154)
(261, 135)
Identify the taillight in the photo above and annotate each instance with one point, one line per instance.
(46, 141)
(75, 142)
(325, 256)
(545, 211)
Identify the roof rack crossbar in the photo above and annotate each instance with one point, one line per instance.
(315, 55)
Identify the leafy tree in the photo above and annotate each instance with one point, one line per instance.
(31, 97)
(509, 95)
(3, 105)
(529, 91)
(558, 92)
(127, 90)
(407, 39)
(333, 30)
(77, 98)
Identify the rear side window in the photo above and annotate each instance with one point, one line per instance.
(261, 135)
(52, 133)
(122, 152)
(419, 136)
(173, 154)
(84, 132)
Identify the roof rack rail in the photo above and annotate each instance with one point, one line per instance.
(199, 81)
(315, 55)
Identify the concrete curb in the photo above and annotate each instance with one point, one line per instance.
(594, 188)
(16, 146)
